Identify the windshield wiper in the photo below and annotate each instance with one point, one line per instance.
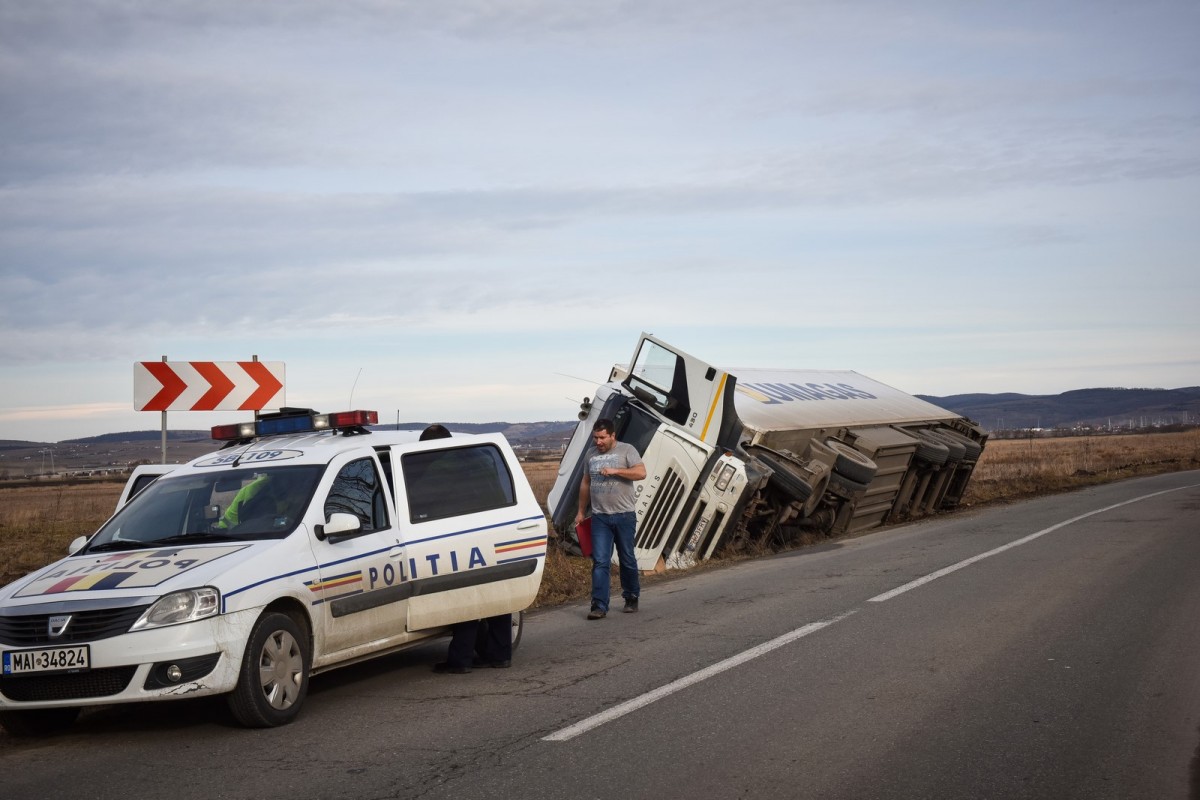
(119, 544)
(129, 544)
(197, 537)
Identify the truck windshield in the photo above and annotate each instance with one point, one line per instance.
(226, 505)
(658, 378)
(636, 427)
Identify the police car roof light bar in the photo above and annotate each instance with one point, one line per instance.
(238, 430)
(353, 419)
(272, 426)
(275, 424)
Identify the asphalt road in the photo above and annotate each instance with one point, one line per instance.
(1047, 649)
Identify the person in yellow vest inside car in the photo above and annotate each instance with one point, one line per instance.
(258, 497)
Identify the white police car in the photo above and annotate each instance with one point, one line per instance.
(309, 542)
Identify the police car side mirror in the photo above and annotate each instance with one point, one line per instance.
(76, 545)
(340, 526)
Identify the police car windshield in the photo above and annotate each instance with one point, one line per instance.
(221, 505)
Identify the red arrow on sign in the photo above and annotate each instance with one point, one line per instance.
(268, 385)
(219, 383)
(172, 385)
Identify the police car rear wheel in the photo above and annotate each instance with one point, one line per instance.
(274, 676)
(38, 722)
(518, 627)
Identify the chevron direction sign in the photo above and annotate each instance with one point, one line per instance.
(207, 385)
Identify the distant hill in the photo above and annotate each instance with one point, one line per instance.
(144, 436)
(117, 452)
(1001, 414)
(1092, 408)
(539, 435)
(529, 433)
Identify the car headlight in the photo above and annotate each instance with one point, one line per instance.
(186, 606)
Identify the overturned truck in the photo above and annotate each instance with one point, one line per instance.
(758, 456)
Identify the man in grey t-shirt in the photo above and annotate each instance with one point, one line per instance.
(607, 486)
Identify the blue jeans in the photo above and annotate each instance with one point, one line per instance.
(607, 530)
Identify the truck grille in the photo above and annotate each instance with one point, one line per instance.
(86, 626)
(67, 686)
(656, 523)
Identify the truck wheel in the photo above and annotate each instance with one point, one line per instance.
(973, 449)
(784, 479)
(273, 680)
(821, 485)
(957, 450)
(38, 722)
(842, 485)
(930, 450)
(850, 463)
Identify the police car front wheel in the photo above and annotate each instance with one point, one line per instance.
(273, 680)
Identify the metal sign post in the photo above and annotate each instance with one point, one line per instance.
(164, 428)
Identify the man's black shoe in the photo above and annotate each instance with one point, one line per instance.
(445, 668)
(493, 664)
(631, 605)
(597, 613)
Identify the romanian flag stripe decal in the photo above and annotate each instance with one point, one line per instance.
(338, 582)
(521, 544)
(102, 580)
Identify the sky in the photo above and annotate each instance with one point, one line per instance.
(468, 211)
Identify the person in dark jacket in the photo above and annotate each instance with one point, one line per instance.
(483, 643)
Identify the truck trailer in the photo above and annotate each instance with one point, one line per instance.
(754, 457)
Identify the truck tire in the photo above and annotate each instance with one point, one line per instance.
(273, 680)
(973, 448)
(850, 463)
(957, 450)
(930, 451)
(784, 478)
(840, 484)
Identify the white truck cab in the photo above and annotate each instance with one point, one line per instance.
(142, 476)
(308, 543)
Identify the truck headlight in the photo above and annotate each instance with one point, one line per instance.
(725, 477)
(186, 606)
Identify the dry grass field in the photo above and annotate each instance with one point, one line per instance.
(38, 522)
(1011, 469)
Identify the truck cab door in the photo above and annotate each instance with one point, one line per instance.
(688, 393)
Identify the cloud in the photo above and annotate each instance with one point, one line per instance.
(447, 187)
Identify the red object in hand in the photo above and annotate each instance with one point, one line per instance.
(584, 531)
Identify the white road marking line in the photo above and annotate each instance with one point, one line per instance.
(629, 706)
(1017, 543)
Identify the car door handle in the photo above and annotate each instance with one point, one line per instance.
(527, 524)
